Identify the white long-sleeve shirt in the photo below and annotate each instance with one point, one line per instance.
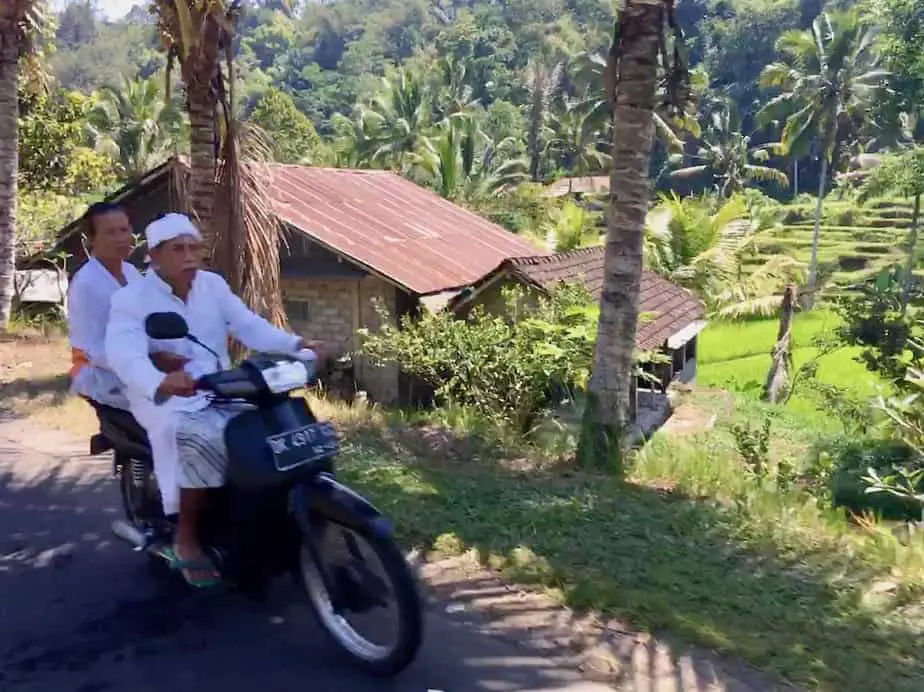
(212, 312)
(88, 297)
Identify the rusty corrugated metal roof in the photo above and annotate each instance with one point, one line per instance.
(393, 227)
(671, 307)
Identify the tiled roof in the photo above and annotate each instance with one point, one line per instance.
(673, 308)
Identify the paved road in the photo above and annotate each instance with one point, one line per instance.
(80, 613)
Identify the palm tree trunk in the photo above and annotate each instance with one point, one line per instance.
(912, 247)
(9, 165)
(633, 59)
(203, 168)
(778, 381)
(813, 263)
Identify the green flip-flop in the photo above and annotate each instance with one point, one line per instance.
(187, 567)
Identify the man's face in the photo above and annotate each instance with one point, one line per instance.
(112, 236)
(178, 260)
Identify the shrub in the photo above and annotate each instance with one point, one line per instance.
(507, 366)
(848, 462)
(753, 444)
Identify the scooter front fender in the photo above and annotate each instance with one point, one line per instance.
(326, 497)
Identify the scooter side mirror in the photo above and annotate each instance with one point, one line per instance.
(166, 325)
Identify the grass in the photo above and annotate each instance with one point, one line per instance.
(691, 544)
(736, 356)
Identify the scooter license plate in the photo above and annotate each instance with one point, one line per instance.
(304, 445)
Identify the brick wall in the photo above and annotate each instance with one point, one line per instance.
(331, 310)
(321, 309)
(380, 382)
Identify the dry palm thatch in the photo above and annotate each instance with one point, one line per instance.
(251, 234)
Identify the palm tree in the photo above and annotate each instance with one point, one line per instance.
(542, 82)
(727, 156)
(575, 139)
(20, 23)
(704, 249)
(395, 121)
(590, 71)
(452, 92)
(228, 188)
(828, 77)
(195, 34)
(135, 125)
(463, 162)
(632, 82)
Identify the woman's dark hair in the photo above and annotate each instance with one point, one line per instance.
(97, 209)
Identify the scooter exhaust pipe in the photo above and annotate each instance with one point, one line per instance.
(128, 533)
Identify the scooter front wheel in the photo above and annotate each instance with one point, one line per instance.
(357, 592)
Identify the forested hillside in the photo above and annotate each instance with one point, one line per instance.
(512, 59)
(489, 101)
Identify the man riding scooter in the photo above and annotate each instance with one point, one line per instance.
(166, 404)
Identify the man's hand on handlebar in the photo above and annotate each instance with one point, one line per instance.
(177, 383)
(168, 362)
(319, 348)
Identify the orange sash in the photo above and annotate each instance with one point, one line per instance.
(79, 359)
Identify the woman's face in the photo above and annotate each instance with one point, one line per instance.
(112, 239)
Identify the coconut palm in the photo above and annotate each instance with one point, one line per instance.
(704, 248)
(461, 161)
(590, 71)
(726, 155)
(543, 82)
(228, 188)
(395, 121)
(828, 78)
(195, 34)
(632, 83)
(21, 22)
(575, 140)
(136, 125)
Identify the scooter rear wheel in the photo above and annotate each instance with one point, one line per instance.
(376, 659)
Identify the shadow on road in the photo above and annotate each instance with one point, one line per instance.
(80, 611)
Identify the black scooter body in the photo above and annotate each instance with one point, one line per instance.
(255, 524)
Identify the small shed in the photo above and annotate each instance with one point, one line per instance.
(352, 238)
(673, 317)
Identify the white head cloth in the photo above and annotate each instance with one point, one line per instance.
(168, 227)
